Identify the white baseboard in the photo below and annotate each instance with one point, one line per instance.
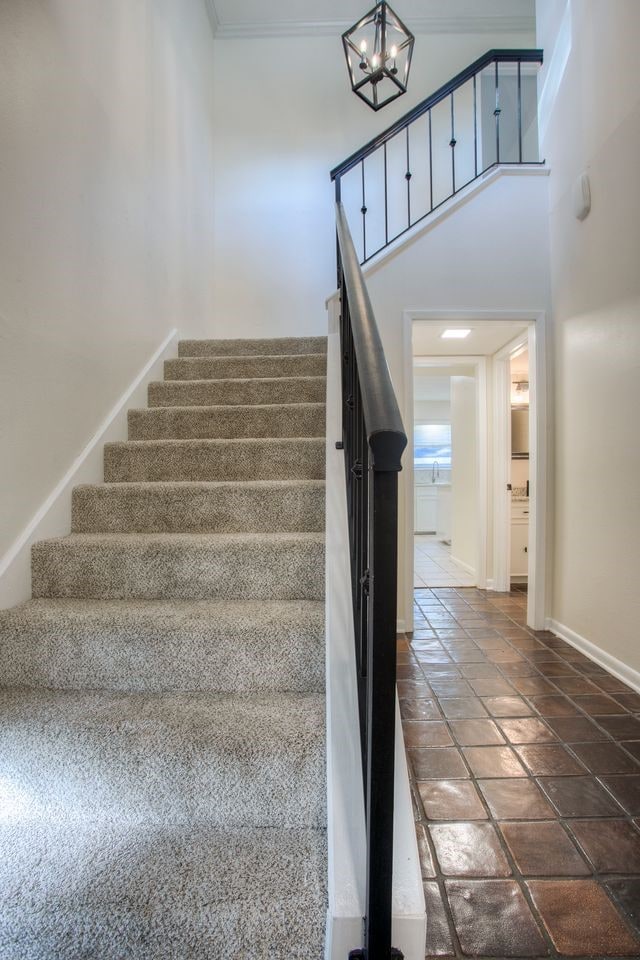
(53, 518)
(465, 566)
(401, 626)
(619, 669)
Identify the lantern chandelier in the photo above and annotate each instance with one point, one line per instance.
(378, 49)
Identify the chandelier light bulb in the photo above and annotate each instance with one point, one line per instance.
(363, 55)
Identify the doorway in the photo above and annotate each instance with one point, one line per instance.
(482, 359)
(449, 404)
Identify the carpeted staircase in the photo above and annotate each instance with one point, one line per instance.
(162, 732)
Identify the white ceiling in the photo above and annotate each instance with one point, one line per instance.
(257, 18)
(486, 337)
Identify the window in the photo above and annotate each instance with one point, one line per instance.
(431, 442)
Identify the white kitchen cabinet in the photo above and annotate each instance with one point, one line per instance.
(425, 509)
(519, 539)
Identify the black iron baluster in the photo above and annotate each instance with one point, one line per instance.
(356, 470)
(496, 114)
(364, 453)
(452, 144)
(363, 211)
(357, 484)
(408, 179)
(338, 185)
(430, 166)
(354, 492)
(363, 585)
(386, 203)
(475, 126)
(519, 113)
(344, 320)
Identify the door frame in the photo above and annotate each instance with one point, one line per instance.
(502, 460)
(493, 500)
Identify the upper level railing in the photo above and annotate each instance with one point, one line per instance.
(373, 440)
(485, 116)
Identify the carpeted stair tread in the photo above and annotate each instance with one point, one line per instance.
(116, 892)
(134, 645)
(216, 368)
(225, 760)
(228, 422)
(203, 393)
(273, 458)
(259, 506)
(278, 346)
(150, 566)
(162, 705)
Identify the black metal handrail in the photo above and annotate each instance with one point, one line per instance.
(498, 154)
(373, 440)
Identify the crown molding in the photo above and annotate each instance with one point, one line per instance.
(330, 28)
(212, 13)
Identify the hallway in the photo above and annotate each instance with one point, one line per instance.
(524, 760)
(433, 565)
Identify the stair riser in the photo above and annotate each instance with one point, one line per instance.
(124, 649)
(217, 368)
(134, 761)
(206, 393)
(295, 459)
(278, 346)
(253, 569)
(290, 420)
(182, 508)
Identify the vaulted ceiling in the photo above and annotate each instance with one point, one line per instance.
(258, 18)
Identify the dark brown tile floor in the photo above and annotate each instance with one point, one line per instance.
(525, 764)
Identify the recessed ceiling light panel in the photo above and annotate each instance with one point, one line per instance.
(458, 333)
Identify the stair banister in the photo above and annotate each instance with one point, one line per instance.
(373, 440)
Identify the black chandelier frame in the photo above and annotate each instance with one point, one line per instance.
(373, 73)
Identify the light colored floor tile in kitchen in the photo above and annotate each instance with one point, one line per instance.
(434, 565)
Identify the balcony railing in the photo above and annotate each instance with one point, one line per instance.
(483, 117)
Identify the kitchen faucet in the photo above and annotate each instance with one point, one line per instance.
(435, 473)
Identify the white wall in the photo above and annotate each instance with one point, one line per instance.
(464, 471)
(593, 95)
(432, 411)
(277, 137)
(106, 233)
(519, 473)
